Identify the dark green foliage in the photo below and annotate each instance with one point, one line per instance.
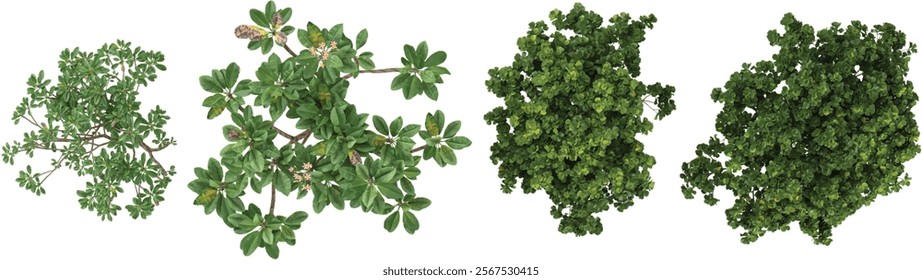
(91, 119)
(831, 140)
(573, 110)
(347, 164)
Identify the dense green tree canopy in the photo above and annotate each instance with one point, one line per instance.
(348, 163)
(814, 134)
(573, 109)
(92, 119)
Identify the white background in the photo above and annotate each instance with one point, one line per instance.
(694, 47)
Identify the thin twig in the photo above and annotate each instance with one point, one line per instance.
(151, 153)
(57, 165)
(291, 52)
(382, 70)
(272, 203)
(283, 133)
(417, 149)
(303, 136)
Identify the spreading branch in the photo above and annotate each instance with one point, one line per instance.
(272, 202)
(375, 71)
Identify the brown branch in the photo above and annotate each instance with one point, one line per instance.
(291, 52)
(57, 165)
(376, 71)
(283, 133)
(272, 203)
(151, 153)
(417, 149)
(303, 136)
(30, 121)
(84, 138)
(157, 149)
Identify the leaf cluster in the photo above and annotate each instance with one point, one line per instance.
(814, 134)
(92, 120)
(347, 163)
(573, 109)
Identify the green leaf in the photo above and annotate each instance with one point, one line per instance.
(419, 203)
(380, 125)
(386, 175)
(427, 76)
(436, 59)
(366, 63)
(238, 219)
(407, 186)
(368, 197)
(415, 86)
(410, 54)
(270, 9)
(452, 129)
(400, 81)
(259, 18)
(282, 182)
(296, 218)
(266, 45)
(334, 62)
(210, 84)
(334, 118)
(231, 74)
(422, 51)
(458, 142)
(448, 155)
(409, 130)
(410, 223)
(431, 91)
(362, 171)
(304, 38)
(391, 222)
(250, 242)
(396, 125)
(361, 39)
(267, 236)
(215, 172)
(213, 101)
(390, 191)
(438, 70)
(273, 251)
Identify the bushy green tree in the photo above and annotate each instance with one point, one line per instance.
(573, 109)
(348, 164)
(814, 134)
(92, 119)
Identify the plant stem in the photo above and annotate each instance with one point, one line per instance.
(376, 71)
(417, 149)
(272, 203)
(291, 52)
(151, 153)
(48, 173)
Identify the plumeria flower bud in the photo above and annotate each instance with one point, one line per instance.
(233, 135)
(277, 20)
(355, 158)
(252, 32)
(280, 38)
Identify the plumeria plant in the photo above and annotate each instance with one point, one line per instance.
(813, 134)
(333, 157)
(92, 119)
(573, 111)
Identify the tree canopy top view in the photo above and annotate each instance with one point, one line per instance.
(573, 107)
(347, 164)
(92, 119)
(814, 134)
